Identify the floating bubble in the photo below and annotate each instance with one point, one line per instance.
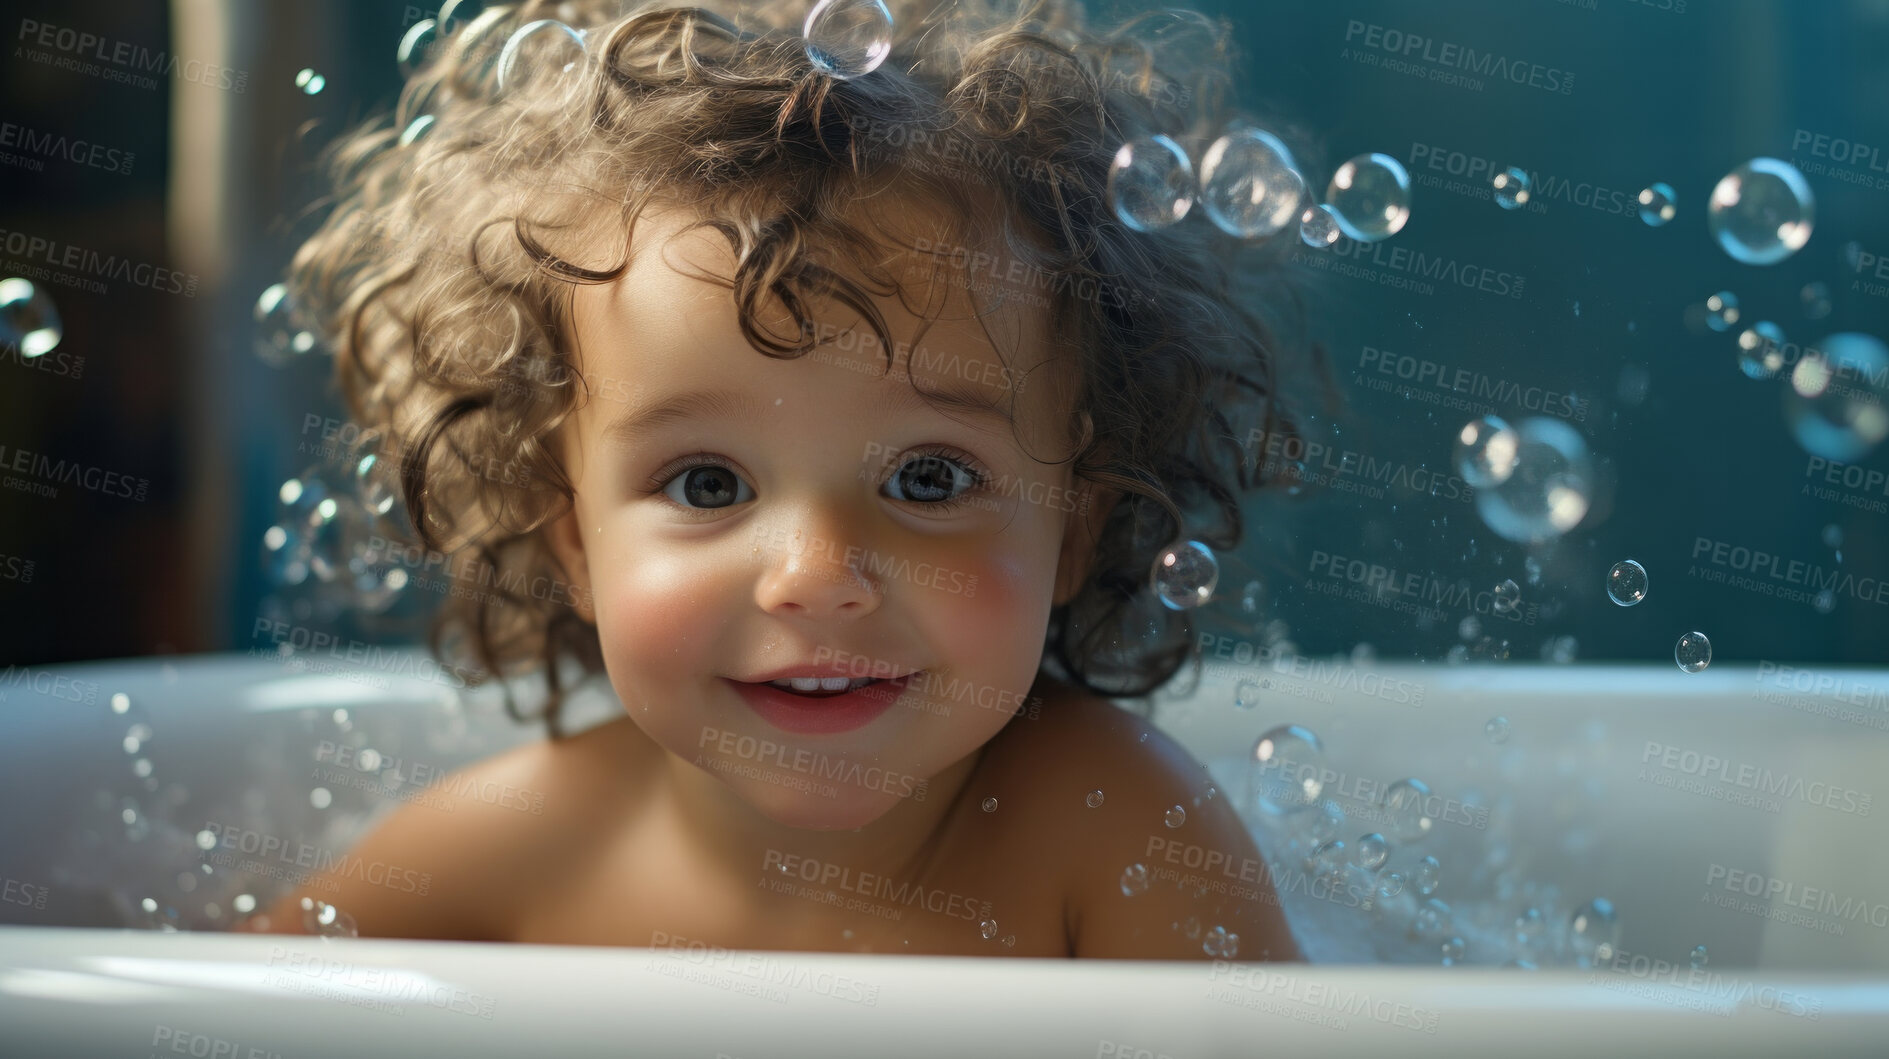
(990, 805)
(1549, 491)
(310, 82)
(1453, 950)
(1134, 880)
(988, 928)
(1246, 695)
(416, 47)
(1511, 188)
(1658, 204)
(848, 38)
(454, 14)
(1425, 877)
(1761, 350)
(1175, 817)
(1762, 212)
(1390, 884)
(1249, 597)
(1094, 800)
(1328, 859)
(1693, 652)
(1406, 808)
(1432, 921)
(1506, 597)
(1626, 582)
(1288, 769)
(1469, 628)
(1496, 730)
(278, 338)
(1815, 298)
(1371, 851)
(1486, 451)
(1837, 405)
(1593, 932)
(1184, 576)
(417, 130)
(1369, 197)
(545, 44)
(1320, 823)
(321, 797)
(29, 322)
(1249, 185)
(1151, 183)
(1721, 311)
(1318, 227)
(1699, 958)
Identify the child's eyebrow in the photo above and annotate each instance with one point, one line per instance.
(636, 426)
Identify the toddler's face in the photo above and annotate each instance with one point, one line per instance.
(739, 515)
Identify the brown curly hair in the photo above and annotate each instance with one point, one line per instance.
(439, 282)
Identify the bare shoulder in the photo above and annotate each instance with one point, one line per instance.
(454, 862)
(1157, 809)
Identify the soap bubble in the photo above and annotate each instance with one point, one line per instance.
(278, 338)
(1761, 350)
(1406, 808)
(1318, 227)
(1693, 652)
(1762, 212)
(990, 805)
(1511, 188)
(1452, 950)
(1134, 880)
(28, 320)
(1175, 817)
(416, 47)
(545, 44)
(1626, 582)
(1432, 922)
(1721, 311)
(1370, 197)
(454, 14)
(1320, 823)
(1658, 204)
(1550, 489)
(1249, 185)
(1593, 932)
(1288, 769)
(1816, 300)
(1184, 576)
(1699, 958)
(1837, 405)
(1246, 695)
(1094, 800)
(1506, 597)
(848, 38)
(310, 82)
(1496, 730)
(1486, 451)
(1371, 851)
(1426, 876)
(1151, 183)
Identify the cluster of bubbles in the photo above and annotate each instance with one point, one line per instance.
(1534, 480)
(338, 540)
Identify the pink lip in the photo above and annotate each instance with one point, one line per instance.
(802, 715)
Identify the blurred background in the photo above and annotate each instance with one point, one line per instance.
(158, 166)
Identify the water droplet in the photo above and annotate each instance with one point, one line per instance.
(1246, 694)
(1010, 941)
(323, 919)
(1425, 877)
(1511, 188)
(1249, 597)
(206, 840)
(1453, 950)
(1658, 204)
(1214, 944)
(321, 798)
(988, 928)
(1370, 197)
(1371, 851)
(1626, 582)
(1816, 300)
(1327, 859)
(1593, 931)
(1288, 769)
(1320, 823)
(1184, 576)
(1390, 884)
(1432, 921)
(1249, 185)
(1318, 227)
(545, 44)
(310, 82)
(1094, 800)
(1721, 311)
(1176, 816)
(28, 320)
(1506, 597)
(1693, 652)
(1699, 957)
(1762, 212)
(990, 805)
(1549, 491)
(1134, 880)
(1486, 451)
(1406, 807)
(1497, 730)
(1151, 183)
(848, 38)
(121, 702)
(1837, 405)
(244, 904)
(1761, 350)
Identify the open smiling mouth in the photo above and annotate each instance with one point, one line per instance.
(822, 687)
(822, 705)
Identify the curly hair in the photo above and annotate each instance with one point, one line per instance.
(439, 281)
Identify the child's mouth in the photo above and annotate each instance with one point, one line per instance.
(821, 687)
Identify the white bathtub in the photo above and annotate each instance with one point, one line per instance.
(1603, 789)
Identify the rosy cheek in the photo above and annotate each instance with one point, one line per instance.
(652, 616)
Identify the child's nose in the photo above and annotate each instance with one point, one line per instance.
(817, 574)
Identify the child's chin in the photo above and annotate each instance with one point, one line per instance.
(847, 811)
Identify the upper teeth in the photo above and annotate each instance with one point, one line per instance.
(821, 683)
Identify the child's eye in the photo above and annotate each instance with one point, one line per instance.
(707, 486)
(933, 479)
